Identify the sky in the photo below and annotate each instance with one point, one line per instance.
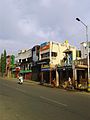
(25, 23)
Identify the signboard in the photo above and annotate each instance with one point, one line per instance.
(45, 66)
(45, 46)
(45, 69)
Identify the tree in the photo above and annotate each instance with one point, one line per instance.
(12, 61)
(2, 65)
(3, 62)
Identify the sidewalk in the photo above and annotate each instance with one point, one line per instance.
(44, 84)
(16, 80)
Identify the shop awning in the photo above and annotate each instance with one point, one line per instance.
(25, 71)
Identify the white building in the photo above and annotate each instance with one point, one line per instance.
(52, 54)
(54, 51)
(23, 55)
(24, 61)
(84, 51)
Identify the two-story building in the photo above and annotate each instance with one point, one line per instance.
(51, 56)
(65, 68)
(24, 62)
(81, 67)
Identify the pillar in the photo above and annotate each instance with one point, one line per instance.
(57, 78)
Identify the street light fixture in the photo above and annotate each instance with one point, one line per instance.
(87, 51)
(77, 19)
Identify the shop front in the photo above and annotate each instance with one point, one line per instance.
(81, 74)
(65, 72)
(81, 78)
(27, 74)
(48, 74)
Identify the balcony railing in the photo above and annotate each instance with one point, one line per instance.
(66, 63)
(80, 62)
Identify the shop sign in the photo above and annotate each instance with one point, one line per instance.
(45, 66)
(43, 44)
(45, 47)
(45, 69)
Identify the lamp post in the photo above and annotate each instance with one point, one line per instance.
(87, 51)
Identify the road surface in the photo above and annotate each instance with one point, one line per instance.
(36, 102)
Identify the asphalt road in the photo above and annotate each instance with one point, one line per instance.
(35, 102)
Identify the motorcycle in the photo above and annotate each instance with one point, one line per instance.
(20, 80)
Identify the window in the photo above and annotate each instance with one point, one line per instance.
(45, 55)
(78, 53)
(19, 60)
(89, 44)
(53, 54)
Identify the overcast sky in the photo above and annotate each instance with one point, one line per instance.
(25, 23)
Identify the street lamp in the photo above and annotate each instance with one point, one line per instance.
(87, 51)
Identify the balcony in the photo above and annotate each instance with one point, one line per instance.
(66, 63)
(81, 63)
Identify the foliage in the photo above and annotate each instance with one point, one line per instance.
(3, 63)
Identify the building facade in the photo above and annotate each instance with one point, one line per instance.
(24, 61)
(54, 57)
(81, 67)
(84, 51)
(35, 67)
(65, 69)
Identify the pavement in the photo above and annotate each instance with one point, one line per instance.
(25, 81)
(44, 84)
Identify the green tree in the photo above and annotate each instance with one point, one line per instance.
(12, 61)
(0, 65)
(3, 62)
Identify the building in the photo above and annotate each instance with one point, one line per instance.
(52, 55)
(24, 62)
(83, 48)
(80, 73)
(35, 66)
(65, 69)
(81, 68)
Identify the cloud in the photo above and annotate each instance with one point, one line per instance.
(24, 23)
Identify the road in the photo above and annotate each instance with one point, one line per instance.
(36, 102)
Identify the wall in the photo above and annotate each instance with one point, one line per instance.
(59, 49)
